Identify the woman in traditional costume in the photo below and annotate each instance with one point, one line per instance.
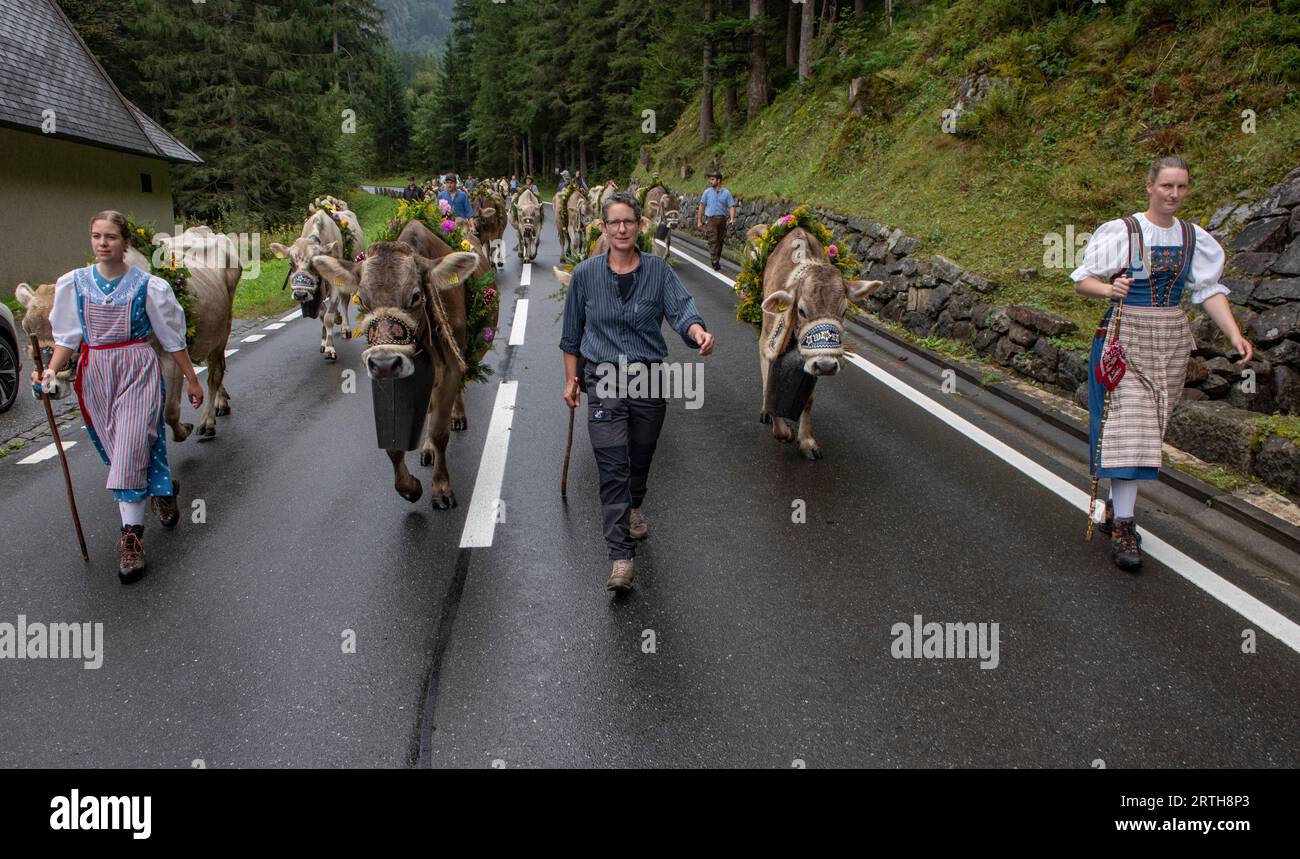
(1158, 258)
(110, 309)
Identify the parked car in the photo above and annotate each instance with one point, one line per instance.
(11, 362)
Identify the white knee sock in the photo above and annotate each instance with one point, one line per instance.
(1123, 494)
(132, 512)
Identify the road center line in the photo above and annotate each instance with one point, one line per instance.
(252, 338)
(526, 278)
(1254, 610)
(480, 522)
(274, 326)
(292, 316)
(520, 323)
(47, 452)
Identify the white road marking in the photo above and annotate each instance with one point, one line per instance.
(480, 522)
(1257, 612)
(230, 352)
(252, 338)
(701, 266)
(47, 452)
(520, 323)
(292, 316)
(274, 326)
(198, 370)
(527, 277)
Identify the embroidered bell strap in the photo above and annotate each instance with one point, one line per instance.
(821, 335)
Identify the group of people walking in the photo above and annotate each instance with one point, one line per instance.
(614, 308)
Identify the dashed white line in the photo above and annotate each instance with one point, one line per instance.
(47, 452)
(1257, 612)
(526, 277)
(520, 323)
(292, 316)
(480, 521)
(252, 338)
(230, 352)
(274, 326)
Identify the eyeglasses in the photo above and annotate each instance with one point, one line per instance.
(626, 223)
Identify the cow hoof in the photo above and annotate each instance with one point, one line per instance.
(812, 454)
(322, 348)
(459, 424)
(764, 418)
(207, 432)
(414, 494)
(222, 411)
(331, 355)
(184, 433)
(444, 502)
(426, 459)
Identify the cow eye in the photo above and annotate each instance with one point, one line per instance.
(416, 296)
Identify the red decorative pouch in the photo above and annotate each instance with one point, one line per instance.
(1110, 369)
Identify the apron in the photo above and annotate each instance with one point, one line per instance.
(1157, 341)
(120, 386)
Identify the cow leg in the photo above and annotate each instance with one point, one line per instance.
(173, 380)
(327, 330)
(345, 300)
(438, 428)
(223, 397)
(763, 366)
(807, 443)
(403, 481)
(459, 420)
(216, 376)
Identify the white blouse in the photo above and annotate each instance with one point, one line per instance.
(1107, 255)
(164, 311)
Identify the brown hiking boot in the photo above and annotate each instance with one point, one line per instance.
(620, 580)
(164, 506)
(1124, 541)
(131, 566)
(636, 528)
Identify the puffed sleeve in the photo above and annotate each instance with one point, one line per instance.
(1207, 268)
(165, 315)
(64, 322)
(1106, 254)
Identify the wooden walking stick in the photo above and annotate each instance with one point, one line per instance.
(568, 446)
(58, 444)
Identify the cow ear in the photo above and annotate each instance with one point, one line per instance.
(24, 294)
(452, 270)
(564, 277)
(772, 304)
(859, 289)
(343, 275)
(330, 249)
(488, 212)
(280, 251)
(645, 224)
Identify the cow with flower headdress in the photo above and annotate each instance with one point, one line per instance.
(797, 285)
(331, 230)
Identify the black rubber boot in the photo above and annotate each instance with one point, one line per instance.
(1124, 549)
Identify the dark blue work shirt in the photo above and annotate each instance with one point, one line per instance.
(601, 326)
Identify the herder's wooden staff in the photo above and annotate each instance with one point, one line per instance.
(58, 444)
(568, 446)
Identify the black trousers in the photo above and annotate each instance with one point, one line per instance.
(624, 432)
(715, 228)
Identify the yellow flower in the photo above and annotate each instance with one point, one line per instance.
(465, 245)
(356, 332)
(139, 231)
(356, 299)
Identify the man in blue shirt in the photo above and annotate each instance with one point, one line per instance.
(459, 200)
(613, 310)
(715, 204)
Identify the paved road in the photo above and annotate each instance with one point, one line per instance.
(769, 641)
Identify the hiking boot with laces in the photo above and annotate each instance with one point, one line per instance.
(164, 506)
(1124, 542)
(636, 527)
(620, 580)
(131, 566)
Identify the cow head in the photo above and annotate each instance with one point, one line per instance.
(580, 213)
(304, 277)
(393, 285)
(486, 219)
(670, 213)
(37, 304)
(817, 296)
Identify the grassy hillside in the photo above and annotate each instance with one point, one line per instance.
(1090, 98)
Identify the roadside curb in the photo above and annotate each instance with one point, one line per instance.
(1262, 522)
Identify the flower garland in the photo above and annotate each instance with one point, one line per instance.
(749, 283)
(562, 205)
(332, 206)
(176, 274)
(482, 300)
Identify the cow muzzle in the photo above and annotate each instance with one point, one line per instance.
(303, 285)
(391, 337)
(821, 344)
(671, 219)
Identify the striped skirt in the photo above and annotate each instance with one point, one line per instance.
(121, 392)
(1157, 342)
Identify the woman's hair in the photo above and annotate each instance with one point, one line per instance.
(117, 218)
(1170, 161)
(625, 199)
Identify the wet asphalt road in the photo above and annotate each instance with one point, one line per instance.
(750, 640)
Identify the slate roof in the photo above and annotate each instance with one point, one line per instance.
(44, 65)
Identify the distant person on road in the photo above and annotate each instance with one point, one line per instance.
(530, 186)
(412, 191)
(715, 204)
(514, 183)
(111, 309)
(614, 307)
(459, 200)
(1143, 264)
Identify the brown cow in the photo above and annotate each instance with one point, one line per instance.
(526, 216)
(800, 278)
(663, 209)
(414, 302)
(490, 223)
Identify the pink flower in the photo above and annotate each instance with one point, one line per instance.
(444, 206)
(832, 251)
(488, 334)
(787, 219)
(361, 257)
(448, 226)
(489, 295)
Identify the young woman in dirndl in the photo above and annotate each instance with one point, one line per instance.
(1144, 264)
(110, 309)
